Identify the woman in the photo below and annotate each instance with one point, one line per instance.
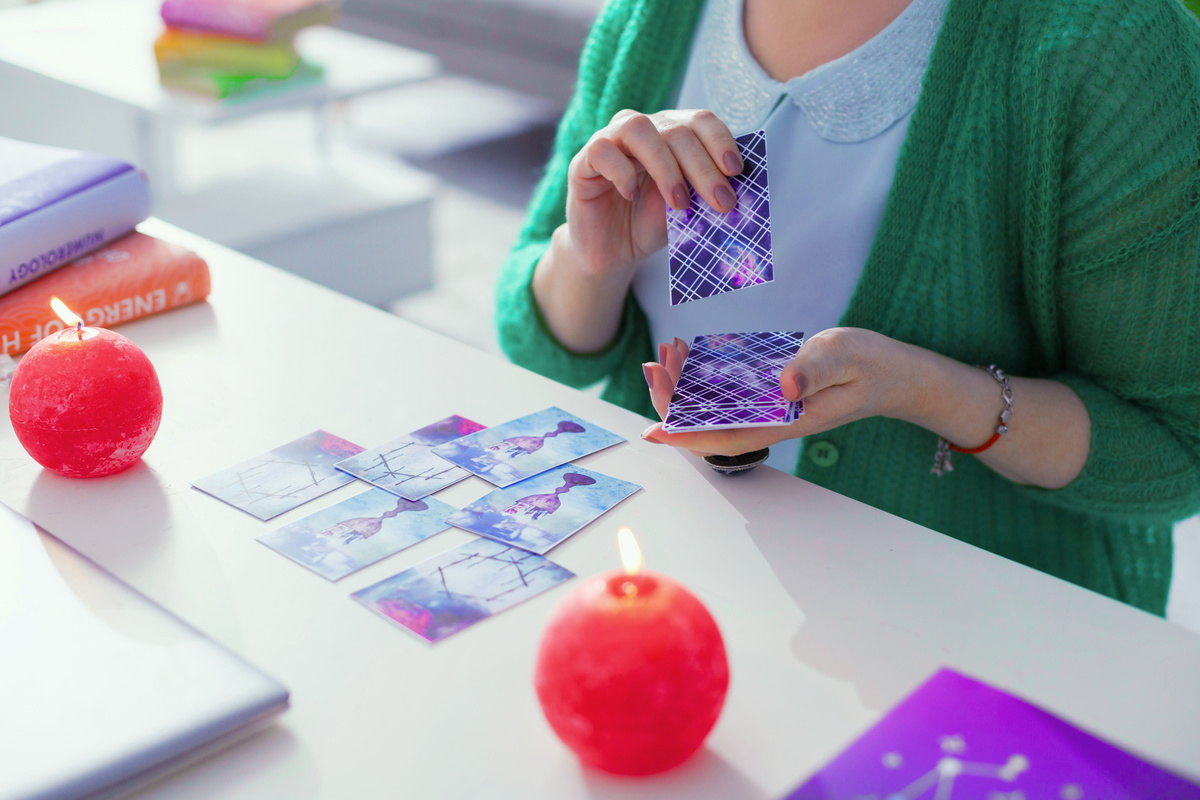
(1028, 200)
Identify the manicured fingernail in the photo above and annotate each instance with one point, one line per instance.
(733, 163)
(649, 376)
(646, 434)
(681, 198)
(725, 197)
(678, 343)
(662, 354)
(801, 384)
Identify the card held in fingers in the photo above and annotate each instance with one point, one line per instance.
(711, 253)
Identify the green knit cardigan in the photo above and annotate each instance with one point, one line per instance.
(1044, 217)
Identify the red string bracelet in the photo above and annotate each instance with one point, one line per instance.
(941, 460)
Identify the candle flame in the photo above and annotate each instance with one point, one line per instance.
(65, 314)
(631, 554)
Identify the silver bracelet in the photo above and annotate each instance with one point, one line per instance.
(941, 460)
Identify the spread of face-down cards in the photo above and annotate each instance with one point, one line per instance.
(460, 587)
(711, 253)
(358, 532)
(539, 512)
(407, 466)
(283, 478)
(731, 380)
(527, 446)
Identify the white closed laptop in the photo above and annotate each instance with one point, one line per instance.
(101, 690)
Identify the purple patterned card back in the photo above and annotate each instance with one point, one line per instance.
(712, 253)
(710, 418)
(956, 736)
(731, 380)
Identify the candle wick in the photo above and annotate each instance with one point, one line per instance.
(630, 588)
(79, 329)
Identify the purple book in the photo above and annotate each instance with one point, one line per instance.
(57, 205)
(955, 736)
(256, 20)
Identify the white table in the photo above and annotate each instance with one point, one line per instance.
(82, 74)
(832, 611)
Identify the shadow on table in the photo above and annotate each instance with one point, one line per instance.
(705, 775)
(236, 770)
(177, 324)
(48, 504)
(859, 626)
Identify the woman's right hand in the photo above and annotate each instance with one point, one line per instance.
(620, 182)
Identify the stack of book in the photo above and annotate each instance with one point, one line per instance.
(67, 223)
(222, 47)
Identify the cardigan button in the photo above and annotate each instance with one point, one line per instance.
(823, 454)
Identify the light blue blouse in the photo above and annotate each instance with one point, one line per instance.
(833, 137)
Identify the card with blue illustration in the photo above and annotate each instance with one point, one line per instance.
(407, 466)
(711, 253)
(358, 532)
(540, 512)
(517, 450)
(283, 478)
(731, 380)
(460, 587)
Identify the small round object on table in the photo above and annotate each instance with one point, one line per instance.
(85, 403)
(632, 673)
(732, 465)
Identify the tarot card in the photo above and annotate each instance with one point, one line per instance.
(955, 736)
(460, 587)
(705, 418)
(732, 381)
(358, 532)
(284, 478)
(539, 512)
(407, 466)
(524, 447)
(712, 253)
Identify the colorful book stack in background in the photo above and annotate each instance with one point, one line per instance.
(67, 223)
(222, 47)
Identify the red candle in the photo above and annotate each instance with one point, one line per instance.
(85, 402)
(632, 673)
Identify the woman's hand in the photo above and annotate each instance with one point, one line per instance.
(619, 183)
(846, 374)
(618, 186)
(842, 374)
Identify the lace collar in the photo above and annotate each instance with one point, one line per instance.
(849, 99)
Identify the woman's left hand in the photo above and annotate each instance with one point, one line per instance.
(842, 374)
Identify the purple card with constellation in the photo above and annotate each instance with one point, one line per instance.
(712, 253)
(407, 466)
(956, 736)
(731, 380)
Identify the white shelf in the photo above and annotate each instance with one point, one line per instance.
(357, 224)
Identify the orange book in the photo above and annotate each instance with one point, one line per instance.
(133, 277)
